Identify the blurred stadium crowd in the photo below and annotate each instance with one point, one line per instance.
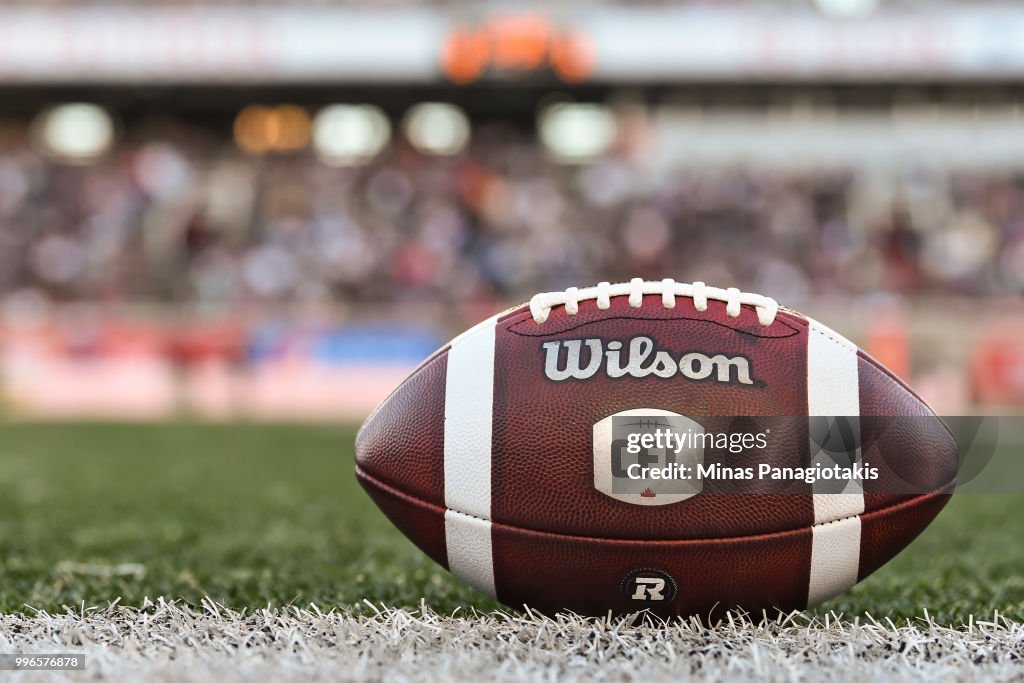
(167, 251)
(188, 218)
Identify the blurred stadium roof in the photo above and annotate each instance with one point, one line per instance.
(433, 43)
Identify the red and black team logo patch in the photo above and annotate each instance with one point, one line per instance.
(621, 461)
(649, 586)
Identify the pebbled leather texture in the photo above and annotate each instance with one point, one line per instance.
(544, 477)
(402, 442)
(558, 543)
(553, 572)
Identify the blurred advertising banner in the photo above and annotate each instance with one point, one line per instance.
(998, 366)
(307, 44)
(147, 371)
(122, 44)
(156, 368)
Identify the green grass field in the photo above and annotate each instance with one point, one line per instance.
(257, 515)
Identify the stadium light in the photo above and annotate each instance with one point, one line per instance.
(260, 129)
(577, 132)
(292, 128)
(350, 134)
(75, 133)
(437, 128)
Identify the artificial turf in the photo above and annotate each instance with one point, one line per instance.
(254, 515)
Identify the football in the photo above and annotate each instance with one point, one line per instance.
(656, 445)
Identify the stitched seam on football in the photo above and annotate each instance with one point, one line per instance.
(946, 489)
(542, 333)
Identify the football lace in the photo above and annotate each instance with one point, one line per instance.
(668, 289)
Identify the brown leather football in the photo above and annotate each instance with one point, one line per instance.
(516, 455)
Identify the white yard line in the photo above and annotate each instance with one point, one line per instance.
(165, 642)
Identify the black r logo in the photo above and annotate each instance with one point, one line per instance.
(649, 586)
